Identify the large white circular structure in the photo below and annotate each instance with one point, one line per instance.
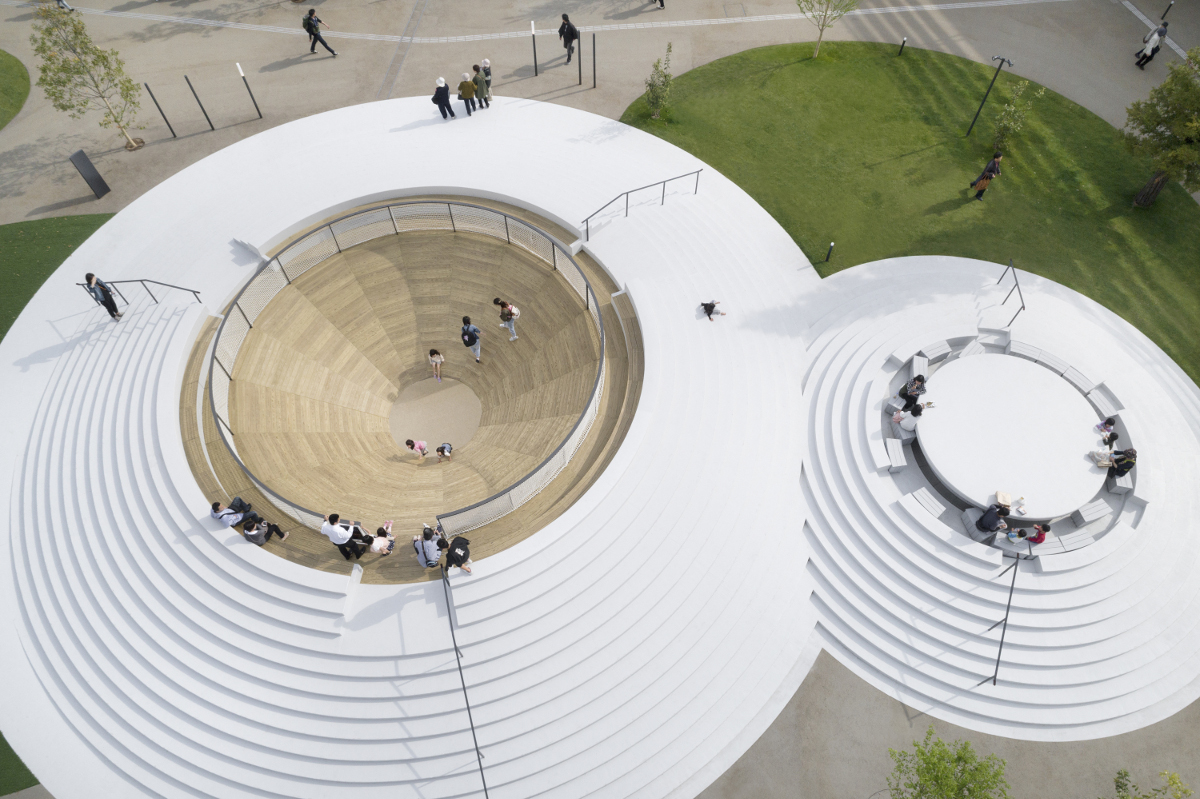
(628, 649)
(1001, 423)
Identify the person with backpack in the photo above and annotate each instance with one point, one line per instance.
(429, 547)
(441, 98)
(1153, 42)
(568, 33)
(509, 314)
(102, 293)
(470, 337)
(312, 24)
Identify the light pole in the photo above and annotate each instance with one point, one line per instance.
(999, 67)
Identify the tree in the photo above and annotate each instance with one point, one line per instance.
(1012, 116)
(937, 770)
(1172, 787)
(78, 76)
(823, 13)
(658, 85)
(1166, 127)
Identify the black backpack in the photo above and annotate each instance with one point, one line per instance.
(468, 336)
(307, 23)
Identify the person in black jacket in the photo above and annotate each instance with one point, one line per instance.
(1123, 463)
(458, 553)
(312, 25)
(992, 170)
(992, 519)
(568, 33)
(441, 98)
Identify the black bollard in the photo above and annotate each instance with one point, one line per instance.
(829, 253)
(159, 107)
(1164, 16)
(209, 121)
(243, 74)
(903, 42)
(533, 38)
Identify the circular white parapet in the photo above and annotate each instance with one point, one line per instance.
(1002, 423)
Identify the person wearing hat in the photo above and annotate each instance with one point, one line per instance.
(481, 90)
(441, 98)
(568, 33)
(466, 93)
(487, 74)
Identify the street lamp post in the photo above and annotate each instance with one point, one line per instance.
(999, 67)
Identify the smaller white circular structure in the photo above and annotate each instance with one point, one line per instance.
(1004, 423)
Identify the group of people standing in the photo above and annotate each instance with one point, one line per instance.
(474, 91)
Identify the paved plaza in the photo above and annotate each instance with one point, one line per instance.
(1079, 48)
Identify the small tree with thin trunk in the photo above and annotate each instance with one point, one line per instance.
(937, 770)
(78, 76)
(1166, 127)
(1012, 116)
(658, 85)
(1172, 788)
(823, 13)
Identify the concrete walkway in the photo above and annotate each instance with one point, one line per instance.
(832, 740)
(1080, 48)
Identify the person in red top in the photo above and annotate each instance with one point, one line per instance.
(1037, 537)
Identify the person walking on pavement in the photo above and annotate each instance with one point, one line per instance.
(441, 98)
(568, 33)
(102, 293)
(1153, 42)
(992, 170)
(481, 89)
(509, 314)
(487, 74)
(312, 23)
(470, 337)
(466, 93)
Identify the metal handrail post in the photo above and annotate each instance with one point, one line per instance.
(119, 294)
(626, 203)
(1004, 630)
(1018, 313)
(196, 294)
(148, 291)
(85, 288)
(664, 194)
(587, 234)
(217, 361)
(1009, 294)
(697, 189)
(238, 305)
(507, 235)
(336, 243)
(462, 678)
(450, 211)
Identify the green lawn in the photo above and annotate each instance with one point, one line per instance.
(14, 87)
(13, 774)
(866, 149)
(30, 251)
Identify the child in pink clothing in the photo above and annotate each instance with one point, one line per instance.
(419, 447)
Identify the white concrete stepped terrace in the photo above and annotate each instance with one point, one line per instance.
(166, 657)
(1105, 641)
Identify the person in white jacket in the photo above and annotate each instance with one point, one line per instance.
(1153, 41)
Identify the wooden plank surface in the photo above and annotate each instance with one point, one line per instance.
(317, 376)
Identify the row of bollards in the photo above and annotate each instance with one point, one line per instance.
(197, 96)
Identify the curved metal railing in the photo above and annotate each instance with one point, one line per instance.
(362, 226)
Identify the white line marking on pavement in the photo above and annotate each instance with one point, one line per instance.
(380, 37)
(1152, 25)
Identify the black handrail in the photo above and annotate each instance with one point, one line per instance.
(461, 678)
(1004, 621)
(589, 298)
(587, 223)
(1017, 287)
(144, 281)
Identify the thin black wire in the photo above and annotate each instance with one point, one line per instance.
(458, 658)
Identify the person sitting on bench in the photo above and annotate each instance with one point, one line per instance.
(1122, 463)
(457, 554)
(909, 419)
(237, 512)
(426, 545)
(992, 519)
(911, 390)
(1037, 537)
